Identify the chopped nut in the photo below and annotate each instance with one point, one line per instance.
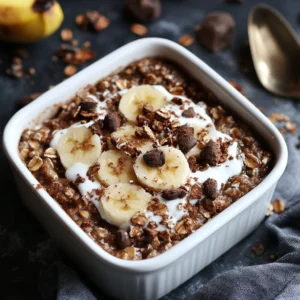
(93, 169)
(192, 161)
(174, 194)
(97, 21)
(158, 208)
(210, 188)
(97, 127)
(85, 214)
(196, 191)
(70, 70)
(35, 164)
(279, 206)
(139, 219)
(50, 152)
(148, 109)
(154, 158)
(162, 114)
(139, 29)
(186, 40)
(270, 209)
(279, 117)
(258, 249)
(135, 231)
(66, 34)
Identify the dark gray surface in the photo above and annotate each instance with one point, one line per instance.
(26, 251)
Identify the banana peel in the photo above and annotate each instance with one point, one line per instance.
(22, 22)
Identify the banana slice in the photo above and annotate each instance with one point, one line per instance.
(78, 145)
(115, 167)
(125, 138)
(172, 174)
(121, 201)
(131, 104)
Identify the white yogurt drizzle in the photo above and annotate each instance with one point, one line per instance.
(176, 208)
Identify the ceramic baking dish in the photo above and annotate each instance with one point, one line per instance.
(155, 277)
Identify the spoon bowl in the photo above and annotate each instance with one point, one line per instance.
(275, 50)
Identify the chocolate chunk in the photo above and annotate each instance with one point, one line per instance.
(189, 113)
(88, 105)
(210, 188)
(122, 239)
(211, 153)
(174, 194)
(113, 121)
(185, 130)
(177, 100)
(96, 127)
(186, 141)
(143, 10)
(154, 158)
(217, 31)
(196, 191)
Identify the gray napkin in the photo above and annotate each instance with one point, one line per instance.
(277, 280)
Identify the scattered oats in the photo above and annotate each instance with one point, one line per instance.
(35, 163)
(139, 29)
(279, 117)
(87, 44)
(50, 152)
(270, 209)
(186, 40)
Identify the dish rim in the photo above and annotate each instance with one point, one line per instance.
(187, 244)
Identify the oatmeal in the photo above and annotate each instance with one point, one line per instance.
(144, 158)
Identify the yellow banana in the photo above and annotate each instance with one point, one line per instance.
(21, 21)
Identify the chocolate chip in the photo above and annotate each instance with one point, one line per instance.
(113, 121)
(88, 105)
(96, 127)
(186, 139)
(211, 153)
(210, 188)
(189, 113)
(196, 191)
(177, 100)
(154, 158)
(174, 194)
(143, 10)
(122, 239)
(217, 31)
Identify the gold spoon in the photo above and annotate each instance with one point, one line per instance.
(275, 50)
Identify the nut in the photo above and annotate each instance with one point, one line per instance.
(279, 206)
(70, 70)
(139, 219)
(139, 29)
(162, 114)
(66, 34)
(35, 163)
(186, 40)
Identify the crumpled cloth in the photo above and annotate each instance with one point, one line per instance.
(276, 280)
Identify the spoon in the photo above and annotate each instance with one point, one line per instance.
(275, 50)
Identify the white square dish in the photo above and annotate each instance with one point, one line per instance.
(151, 278)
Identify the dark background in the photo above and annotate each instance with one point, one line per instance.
(27, 253)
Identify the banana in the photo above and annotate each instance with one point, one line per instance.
(78, 145)
(172, 174)
(121, 201)
(115, 167)
(126, 138)
(21, 22)
(132, 102)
